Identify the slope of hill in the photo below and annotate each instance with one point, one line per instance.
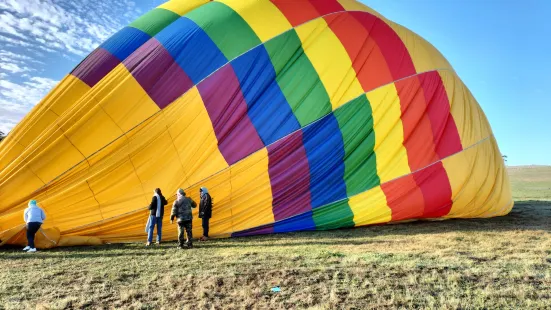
(530, 182)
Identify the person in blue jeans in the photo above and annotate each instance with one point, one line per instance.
(156, 212)
(34, 217)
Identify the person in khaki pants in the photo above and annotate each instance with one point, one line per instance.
(181, 210)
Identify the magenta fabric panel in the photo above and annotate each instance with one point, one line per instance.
(158, 74)
(261, 230)
(290, 176)
(94, 67)
(221, 93)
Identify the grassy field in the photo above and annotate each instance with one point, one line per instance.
(501, 263)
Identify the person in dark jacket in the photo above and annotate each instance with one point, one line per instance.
(156, 212)
(205, 211)
(181, 210)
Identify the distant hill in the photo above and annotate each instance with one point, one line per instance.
(530, 182)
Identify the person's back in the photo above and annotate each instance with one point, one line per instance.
(156, 212)
(205, 211)
(34, 216)
(181, 210)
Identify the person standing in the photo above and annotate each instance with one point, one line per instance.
(156, 212)
(34, 217)
(205, 211)
(181, 209)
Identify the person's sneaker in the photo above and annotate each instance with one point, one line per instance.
(147, 243)
(158, 242)
(31, 250)
(190, 246)
(26, 248)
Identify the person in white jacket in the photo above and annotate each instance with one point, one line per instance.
(34, 217)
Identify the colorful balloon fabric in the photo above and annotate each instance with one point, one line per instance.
(296, 115)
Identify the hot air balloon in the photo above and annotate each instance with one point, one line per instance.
(296, 115)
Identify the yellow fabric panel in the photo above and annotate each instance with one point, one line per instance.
(66, 93)
(263, 17)
(8, 153)
(118, 191)
(94, 131)
(123, 99)
(251, 192)
(17, 190)
(471, 125)
(61, 206)
(392, 160)
(220, 189)
(129, 225)
(370, 207)
(54, 160)
(353, 5)
(493, 197)
(78, 240)
(181, 7)
(331, 61)
(194, 137)
(425, 57)
(40, 123)
(479, 181)
(158, 166)
(45, 238)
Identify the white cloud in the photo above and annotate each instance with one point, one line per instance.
(34, 33)
(13, 68)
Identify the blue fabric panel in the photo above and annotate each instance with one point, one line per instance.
(191, 48)
(125, 42)
(299, 222)
(268, 109)
(325, 151)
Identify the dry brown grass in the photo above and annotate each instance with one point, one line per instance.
(502, 262)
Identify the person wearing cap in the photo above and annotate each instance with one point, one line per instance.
(205, 211)
(34, 217)
(181, 210)
(156, 212)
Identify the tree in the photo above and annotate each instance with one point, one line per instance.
(504, 158)
(2, 135)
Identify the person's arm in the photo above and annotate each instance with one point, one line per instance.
(43, 215)
(153, 203)
(164, 201)
(173, 212)
(193, 203)
(25, 215)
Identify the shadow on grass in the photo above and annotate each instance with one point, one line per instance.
(526, 215)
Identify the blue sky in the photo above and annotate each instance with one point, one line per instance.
(500, 49)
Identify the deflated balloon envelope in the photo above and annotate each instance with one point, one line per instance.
(296, 115)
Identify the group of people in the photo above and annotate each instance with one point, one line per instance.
(182, 207)
(182, 212)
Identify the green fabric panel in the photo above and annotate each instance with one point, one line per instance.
(333, 216)
(154, 21)
(356, 123)
(298, 79)
(226, 28)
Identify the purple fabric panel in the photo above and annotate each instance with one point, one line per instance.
(157, 72)
(97, 65)
(290, 176)
(262, 230)
(227, 110)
